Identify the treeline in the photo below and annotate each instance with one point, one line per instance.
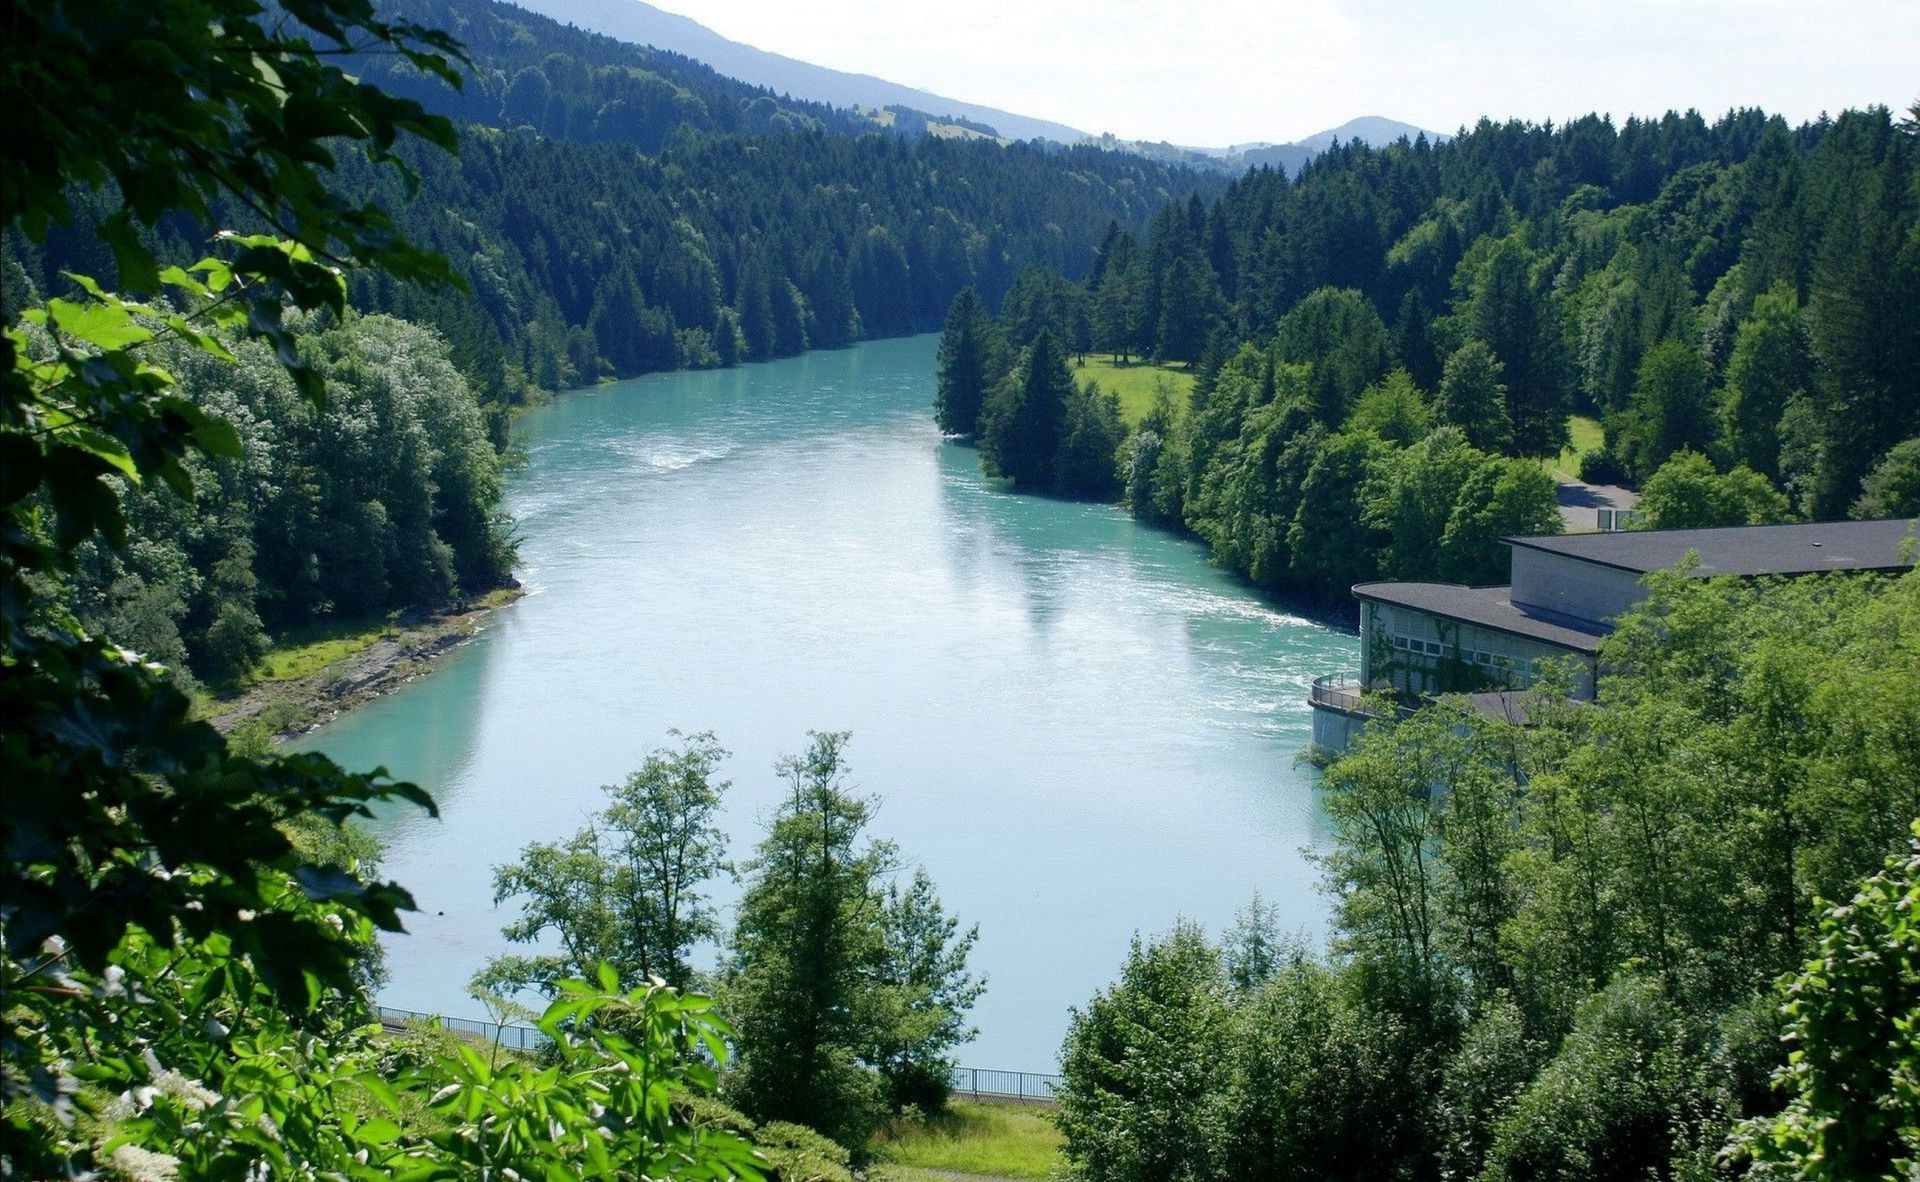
(594, 261)
(848, 991)
(1742, 291)
(604, 243)
(1563, 951)
(1305, 476)
(383, 498)
(662, 235)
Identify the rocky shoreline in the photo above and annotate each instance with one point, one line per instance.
(280, 710)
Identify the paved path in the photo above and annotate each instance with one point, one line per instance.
(1580, 503)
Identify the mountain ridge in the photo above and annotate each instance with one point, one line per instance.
(1375, 131)
(641, 23)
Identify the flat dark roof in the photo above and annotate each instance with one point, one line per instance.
(1801, 549)
(1488, 607)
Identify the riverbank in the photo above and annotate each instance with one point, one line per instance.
(381, 661)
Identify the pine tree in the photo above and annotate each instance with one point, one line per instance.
(1090, 438)
(1511, 307)
(1020, 426)
(806, 945)
(1189, 304)
(1864, 313)
(969, 358)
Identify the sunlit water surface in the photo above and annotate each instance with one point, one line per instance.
(1080, 728)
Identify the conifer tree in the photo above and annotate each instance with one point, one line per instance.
(1021, 424)
(969, 356)
(1769, 366)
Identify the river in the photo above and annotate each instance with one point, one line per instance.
(1076, 724)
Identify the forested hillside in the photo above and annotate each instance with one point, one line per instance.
(593, 261)
(618, 210)
(643, 214)
(1379, 344)
(529, 71)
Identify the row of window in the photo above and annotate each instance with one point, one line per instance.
(1515, 673)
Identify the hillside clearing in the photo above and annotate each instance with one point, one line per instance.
(1136, 383)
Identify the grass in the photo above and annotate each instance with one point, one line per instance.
(1136, 383)
(1585, 435)
(972, 1137)
(306, 651)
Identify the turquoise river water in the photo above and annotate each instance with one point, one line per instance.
(1079, 727)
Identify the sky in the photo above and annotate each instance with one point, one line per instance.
(1216, 72)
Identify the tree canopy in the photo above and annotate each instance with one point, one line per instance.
(1696, 286)
(1532, 970)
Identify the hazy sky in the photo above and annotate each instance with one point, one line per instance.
(1212, 72)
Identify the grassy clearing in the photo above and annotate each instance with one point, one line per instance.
(1585, 434)
(306, 651)
(1135, 383)
(972, 1137)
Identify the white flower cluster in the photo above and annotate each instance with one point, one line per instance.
(144, 1165)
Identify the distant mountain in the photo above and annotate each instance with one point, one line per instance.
(1372, 130)
(636, 72)
(526, 70)
(643, 24)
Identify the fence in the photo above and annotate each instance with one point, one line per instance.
(1341, 691)
(516, 1038)
(1009, 1085)
(967, 1081)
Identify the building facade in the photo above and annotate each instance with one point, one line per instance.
(1419, 640)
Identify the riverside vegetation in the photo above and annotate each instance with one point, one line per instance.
(1576, 949)
(1737, 302)
(589, 249)
(849, 991)
(184, 982)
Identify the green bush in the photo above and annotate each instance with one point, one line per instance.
(1606, 1105)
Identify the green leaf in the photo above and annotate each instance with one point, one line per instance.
(205, 342)
(379, 1131)
(311, 117)
(215, 435)
(103, 446)
(106, 326)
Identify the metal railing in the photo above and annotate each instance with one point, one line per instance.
(967, 1081)
(517, 1038)
(1338, 691)
(1007, 1085)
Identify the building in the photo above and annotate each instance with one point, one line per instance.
(1422, 639)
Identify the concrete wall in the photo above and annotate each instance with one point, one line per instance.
(1334, 730)
(1584, 590)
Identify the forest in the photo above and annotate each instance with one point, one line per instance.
(1572, 962)
(1561, 950)
(683, 234)
(1408, 330)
